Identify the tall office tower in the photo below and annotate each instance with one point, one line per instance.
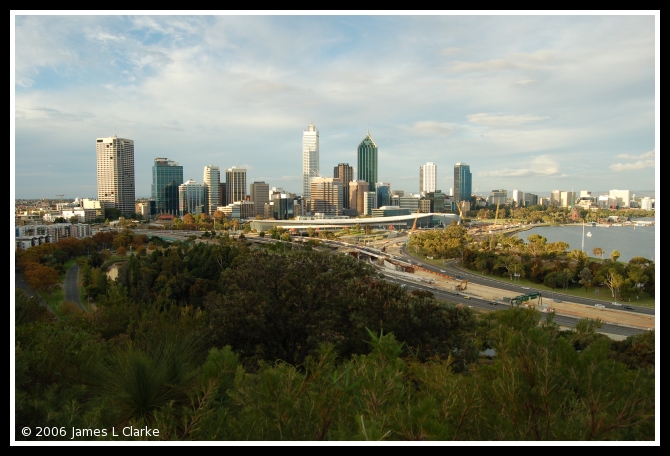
(260, 195)
(356, 198)
(427, 177)
(383, 194)
(367, 161)
(517, 197)
(345, 173)
(236, 185)
(116, 173)
(310, 158)
(211, 180)
(462, 182)
(167, 177)
(326, 196)
(191, 198)
(555, 198)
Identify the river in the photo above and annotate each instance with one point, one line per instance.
(630, 241)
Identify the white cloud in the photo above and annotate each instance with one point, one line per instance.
(502, 120)
(646, 160)
(540, 166)
(646, 155)
(432, 127)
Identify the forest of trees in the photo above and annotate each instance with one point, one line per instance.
(549, 263)
(227, 341)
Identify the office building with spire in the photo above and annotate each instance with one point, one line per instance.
(167, 176)
(116, 173)
(310, 158)
(462, 182)
(367, 161)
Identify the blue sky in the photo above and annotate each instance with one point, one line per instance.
(533, 102)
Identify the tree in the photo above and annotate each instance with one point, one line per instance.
(613, 281)
(586, 277)
(615, 255)
(121, 251)
(597, 251)
(261, 234)
(42, 278)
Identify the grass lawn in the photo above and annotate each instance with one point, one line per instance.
(604, 293)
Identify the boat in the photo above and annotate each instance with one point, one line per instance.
(588, 234)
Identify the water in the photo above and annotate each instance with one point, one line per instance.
(629, 241)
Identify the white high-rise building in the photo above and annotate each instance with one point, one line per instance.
(236, 185)
(211, 179)
(427, 178)
(622, 197)
(116, 173)
(310, 158)
(191, 198)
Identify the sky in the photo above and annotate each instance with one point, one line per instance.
(531, 101)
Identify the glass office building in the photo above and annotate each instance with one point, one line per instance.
(462, 182)
(167, 177)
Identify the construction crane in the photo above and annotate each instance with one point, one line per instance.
(459, 210)
(61, 201)
(495, 222)
(415, 220)
(462, 286)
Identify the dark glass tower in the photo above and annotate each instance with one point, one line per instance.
(167, 177)
(462, 182)
(367, 161)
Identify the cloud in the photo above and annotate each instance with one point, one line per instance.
(525, 82)
(646, 160)
(646, 155)
(501, 120)
(538, 60)
(540, 166)
(432, 127)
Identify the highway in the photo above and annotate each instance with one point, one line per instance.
(454, 272)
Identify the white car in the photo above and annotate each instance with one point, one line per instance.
(618, 304)
(602, 306)
(526, 288)
(443, 271)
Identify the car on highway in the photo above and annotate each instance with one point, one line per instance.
(459, 277)
(601, 306)
(526, 288)
(618, 304)
(628, 307)
(466, 297)
(493, 303)
(443, 271)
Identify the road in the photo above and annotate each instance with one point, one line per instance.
(457, 298)
(71, 286)
(455, 271)
(20, 283)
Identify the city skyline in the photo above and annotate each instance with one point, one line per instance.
(530, 102)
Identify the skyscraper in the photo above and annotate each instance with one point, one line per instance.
(427, 178)
(326, 196)
(116, 173)
(167, 177)
(357, 188)
(260, 195)
(191, 198)
(236, 185)
(310, 158)
(462, 182)
(345, 173)
(383, 194)
(367, 161)
(211, 179)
